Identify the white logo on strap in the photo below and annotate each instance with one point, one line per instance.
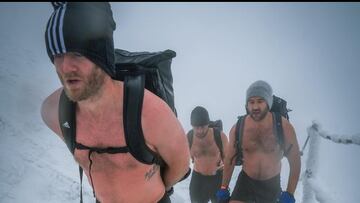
(66, 125)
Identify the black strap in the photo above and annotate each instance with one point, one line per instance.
(278, 129)
(190, 136)
(109, 150)
(239, 128)
(217, 138)
(81, 177)
(280, 134)
(134, 85)
(67, 120)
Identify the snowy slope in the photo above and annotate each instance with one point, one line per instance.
(35, 166)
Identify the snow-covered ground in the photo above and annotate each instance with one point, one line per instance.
(35, 166)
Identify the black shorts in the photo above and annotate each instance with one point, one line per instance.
(258, 191)
(203, 187)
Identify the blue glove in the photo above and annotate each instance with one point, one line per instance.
(223, 195)
(286, 197)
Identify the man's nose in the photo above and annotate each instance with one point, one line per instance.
(66, 64)
(255, 108)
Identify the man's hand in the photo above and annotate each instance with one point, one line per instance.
(223, 195)
(286, 197)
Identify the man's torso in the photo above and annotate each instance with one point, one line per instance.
(206, 154)
(261, 151)
(116, 177)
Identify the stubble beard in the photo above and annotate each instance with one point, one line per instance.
(260, 116)
(91, 87)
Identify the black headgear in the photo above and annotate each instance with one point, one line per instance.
(199, 116)
(83, 27)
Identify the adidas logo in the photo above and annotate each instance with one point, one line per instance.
(66, 125)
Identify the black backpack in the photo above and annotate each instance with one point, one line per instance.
(216, 124)
(138, 70)
(278, 110)
(218, 127)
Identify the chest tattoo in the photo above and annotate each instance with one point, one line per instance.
(149, 174)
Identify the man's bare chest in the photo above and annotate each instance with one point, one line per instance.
(205, 147)
(101, 133)
(107, 146)
(260, 140)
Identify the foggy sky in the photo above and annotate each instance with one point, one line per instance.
(308, 52)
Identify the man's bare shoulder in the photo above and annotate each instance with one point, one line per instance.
(287, 125)
(157, 116)
(163, 131)
(289, 131)
(232, 132)
(155, 108)
(49, 111)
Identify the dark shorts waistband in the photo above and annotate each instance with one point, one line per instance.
(261, 191)
(266, 181)
(220, 171)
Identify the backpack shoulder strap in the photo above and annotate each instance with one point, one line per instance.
(239, 129)
(278, 129)
(277, 117)
(67, 120)
(190, 136)
(217, 138)
(134, 85)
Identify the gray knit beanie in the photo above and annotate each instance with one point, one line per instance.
(262, 89)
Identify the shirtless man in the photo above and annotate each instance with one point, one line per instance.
(83, 55)
(207, 157)
(259, 180)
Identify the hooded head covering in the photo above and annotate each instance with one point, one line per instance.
(83, 27)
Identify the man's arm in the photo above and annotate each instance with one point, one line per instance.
(229, 160)
(293, 156)
(163, 131)
(49, 112)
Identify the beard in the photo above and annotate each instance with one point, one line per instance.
(258, 115)
(92, 84)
